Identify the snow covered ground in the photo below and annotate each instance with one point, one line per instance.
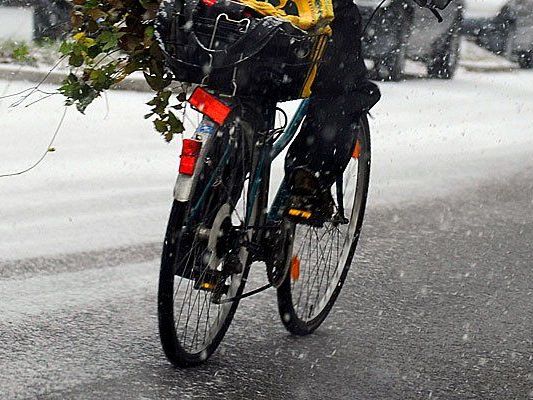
(16, 23)
(483, 8)
(110, 181)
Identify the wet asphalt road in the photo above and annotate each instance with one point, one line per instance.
(439, 305)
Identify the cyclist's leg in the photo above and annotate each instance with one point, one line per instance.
(341, 93)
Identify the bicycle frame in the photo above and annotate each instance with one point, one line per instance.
(268, 154)
(260, 176)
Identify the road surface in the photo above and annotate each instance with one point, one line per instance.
(439, 304)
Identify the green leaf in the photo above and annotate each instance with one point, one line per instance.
(156, 82)
(149, 4)
(66, 47)
(176, 126)
(149, 32)
(160, 125)
(19, 51)
(165, 96)
(131, 67)
(94, 51)
(75, 60)
(89, 94)
(89, 4)
(108, 40)
(168, 136)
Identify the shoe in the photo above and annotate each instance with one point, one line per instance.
(309, 203)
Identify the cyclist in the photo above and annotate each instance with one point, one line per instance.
(341, 95)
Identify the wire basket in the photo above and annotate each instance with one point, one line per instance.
(238, 56)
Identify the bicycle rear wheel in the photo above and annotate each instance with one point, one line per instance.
(321, 257)
(203, 263)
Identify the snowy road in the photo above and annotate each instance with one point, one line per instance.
(438, 306)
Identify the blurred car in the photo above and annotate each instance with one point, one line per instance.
(502, 27)
(401, 30)
(51, 18)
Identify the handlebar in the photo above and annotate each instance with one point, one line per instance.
(434, 6)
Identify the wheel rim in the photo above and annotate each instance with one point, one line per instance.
(324, 253)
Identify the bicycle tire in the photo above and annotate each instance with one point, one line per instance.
(176, 347)
(304, 323)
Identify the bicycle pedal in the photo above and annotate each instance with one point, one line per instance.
(293, 212)
(304, 217)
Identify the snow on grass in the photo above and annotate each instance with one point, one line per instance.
(433, 137)
(483, 8)
(110, 181)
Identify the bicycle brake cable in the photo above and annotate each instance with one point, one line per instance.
(373, 15)
(429, 7)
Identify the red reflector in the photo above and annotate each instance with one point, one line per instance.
(189, 155)
(209, 105)
(209, 3)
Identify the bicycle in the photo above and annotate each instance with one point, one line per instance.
(221, 221)
(224, 225)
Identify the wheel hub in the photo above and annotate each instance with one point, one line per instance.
(216, 235)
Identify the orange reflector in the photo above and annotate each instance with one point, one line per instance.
(295, 268)
(357, 150)
(209, 105)
(207, 286)
(299, 213)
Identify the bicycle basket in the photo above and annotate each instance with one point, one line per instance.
(237, 55)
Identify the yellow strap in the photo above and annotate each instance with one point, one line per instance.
(264, 8)
(310, 12)
(318, 52)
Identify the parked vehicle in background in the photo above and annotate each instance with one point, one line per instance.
(401, 30)
(51, 18)
(502, 27)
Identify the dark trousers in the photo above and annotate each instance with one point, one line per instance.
(341, 93)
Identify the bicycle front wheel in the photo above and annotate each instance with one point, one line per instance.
(321, 257)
